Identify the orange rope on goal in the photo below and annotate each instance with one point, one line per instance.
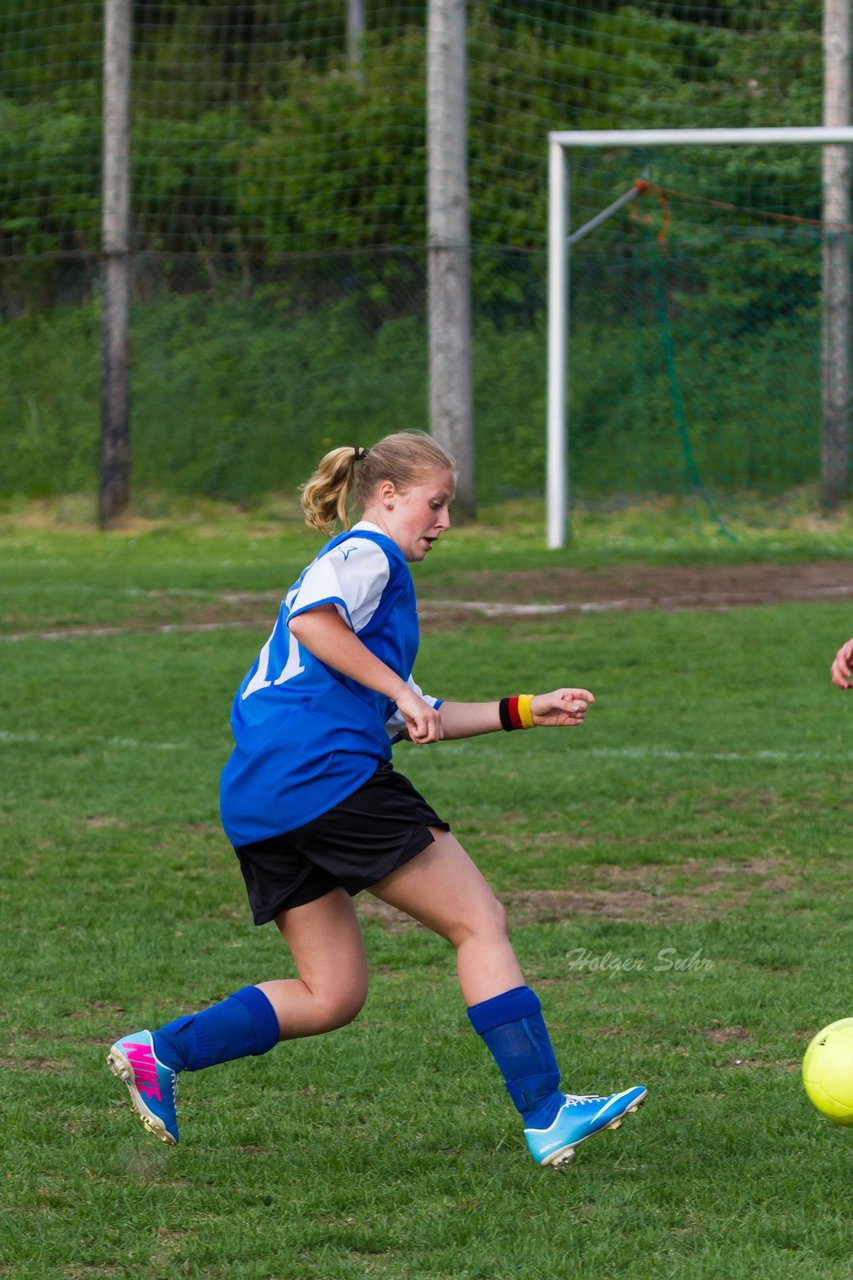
(643, 186)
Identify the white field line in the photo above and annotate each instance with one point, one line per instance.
(667, 753)
(39, 739)
(96, 633)
(433, 609)
(709, 600)
(652, 754)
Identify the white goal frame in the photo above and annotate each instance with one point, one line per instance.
(559, 144)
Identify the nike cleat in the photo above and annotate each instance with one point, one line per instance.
(153, 1086)
(580, 1118)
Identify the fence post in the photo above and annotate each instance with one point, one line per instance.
(114, 486)
(557, 486)
(449, 251)
(835, 442)
(355, 32)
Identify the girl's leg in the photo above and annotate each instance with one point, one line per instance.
(327, 946)
(443, 889)
(325, 941)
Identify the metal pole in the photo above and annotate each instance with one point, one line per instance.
(835, 440)
(449, 253)
(599, 218)
(114, 486)
(355, 30)
(558, 333)
(748, 137)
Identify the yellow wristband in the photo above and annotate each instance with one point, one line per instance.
(524, 711)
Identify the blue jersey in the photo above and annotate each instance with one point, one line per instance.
(306, 736)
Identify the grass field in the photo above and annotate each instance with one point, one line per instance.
(677, 874)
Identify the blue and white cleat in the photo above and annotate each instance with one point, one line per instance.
(153, 1086)
(580, 1118)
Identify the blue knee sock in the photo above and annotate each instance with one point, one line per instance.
(514, 1030)
(244, 1024)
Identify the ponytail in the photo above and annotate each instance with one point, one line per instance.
(402, 458)
(324, 496)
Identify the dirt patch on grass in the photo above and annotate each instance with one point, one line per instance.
(49, 1066)
(552, 906)
(790, 1064)
(483, 595)
(678, 894)
(708, 586)
(83, 1271)
(682, 893)
(392, 920)
(722, 1035)
(105, 1007)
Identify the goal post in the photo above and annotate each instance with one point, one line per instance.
(561, 144)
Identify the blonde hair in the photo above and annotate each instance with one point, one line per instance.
(403, 458)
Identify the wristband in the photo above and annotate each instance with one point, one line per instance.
(525, 710)
(516, 713)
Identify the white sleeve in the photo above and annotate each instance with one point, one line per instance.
(352, 577)
(396, 724)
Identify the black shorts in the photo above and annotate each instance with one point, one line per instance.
(356, 844)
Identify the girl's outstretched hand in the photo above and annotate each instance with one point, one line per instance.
(562, 707)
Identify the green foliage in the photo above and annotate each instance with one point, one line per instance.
(251, 135)
(751, 410)
(267, 390)
(49, 402)
(48, 154)
(230, 398)
(280, 194)
(235, 395)
(305, 186)
(48, 44)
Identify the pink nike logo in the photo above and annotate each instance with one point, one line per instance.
(141, 1058)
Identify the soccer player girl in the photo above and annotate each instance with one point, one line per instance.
(317, 813)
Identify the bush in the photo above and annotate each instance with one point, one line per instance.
(235, 396)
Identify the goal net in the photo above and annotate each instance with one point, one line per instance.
(687, 327)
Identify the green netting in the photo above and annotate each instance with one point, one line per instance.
(279, 231)
(696, 324)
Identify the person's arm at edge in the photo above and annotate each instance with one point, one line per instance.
(842, 668)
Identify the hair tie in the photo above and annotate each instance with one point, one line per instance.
(359, 453)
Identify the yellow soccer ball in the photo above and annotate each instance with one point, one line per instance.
(828, 1071)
